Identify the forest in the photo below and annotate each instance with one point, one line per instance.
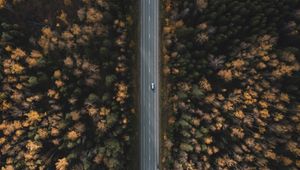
(232, 78)
(66, 98)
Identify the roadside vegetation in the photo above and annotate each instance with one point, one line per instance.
(66, 84)
(232, 70)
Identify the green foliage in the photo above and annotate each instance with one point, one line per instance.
(197, 92)
(33, 81)
(185, 32)
(109, 80)
(186, 147)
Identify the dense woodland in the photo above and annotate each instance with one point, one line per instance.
(231, 70)
(233, 75)
(66, 98)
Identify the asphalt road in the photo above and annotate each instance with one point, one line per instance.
(149, 73)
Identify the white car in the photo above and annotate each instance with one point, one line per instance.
(152, 86)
